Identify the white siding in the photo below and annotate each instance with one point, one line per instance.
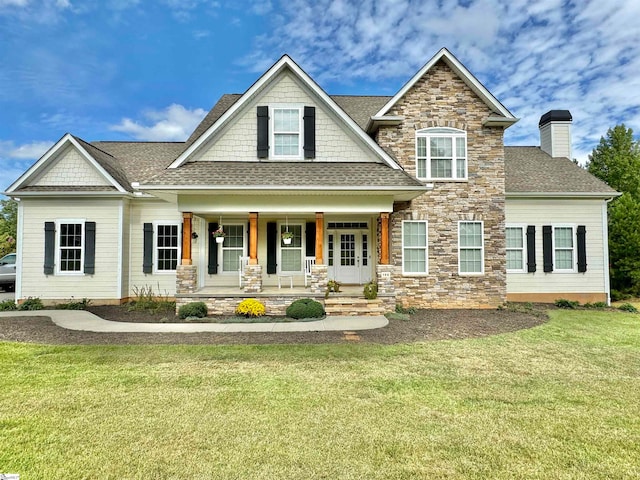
(104, 283)
(141, 212)
(71, 168)
(126, 247)
(555, 212)
(238, 141)
(555, 139)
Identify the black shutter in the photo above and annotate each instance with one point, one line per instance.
(311, 239)
(547, 247)
(212, 265)
(309, 132)
(531, 248)
(582, 249)
(89, 247)
(49, 247)
(272, 247)
(147, 262)
(263, 132)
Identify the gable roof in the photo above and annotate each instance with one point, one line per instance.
(531, 172)
(285, 63)
(104, 163)
(503, 116)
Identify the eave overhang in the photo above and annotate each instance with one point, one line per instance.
(563, 195)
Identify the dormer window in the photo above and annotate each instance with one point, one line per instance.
(441, 154)
(286, 132)
(287, 125)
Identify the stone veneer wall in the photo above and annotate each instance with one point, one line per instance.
(319, 279)
(221, 305)
(252, 279)
(186, 279)
(441, 99)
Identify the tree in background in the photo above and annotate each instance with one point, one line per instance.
(616, 161)
(8, 226)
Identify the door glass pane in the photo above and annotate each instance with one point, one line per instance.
(330, 250)
(347, 249)
(365, 250)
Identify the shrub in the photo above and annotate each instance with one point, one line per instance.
(618, 296)
(305, 308)
(31, 303)
(74, 305)
(564, 303)
(627, 307)
(371, 291)
(193, 309)
(8, 305)
(250, 308)
(146, 300)
(332, 286)
(406, 311)
(595, 305)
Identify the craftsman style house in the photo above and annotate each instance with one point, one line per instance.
(285, 187)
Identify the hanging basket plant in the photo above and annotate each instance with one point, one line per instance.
(287, 237)
(219, 234)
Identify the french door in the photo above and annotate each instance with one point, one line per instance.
(349, 256)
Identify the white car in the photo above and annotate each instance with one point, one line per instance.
(8, 272)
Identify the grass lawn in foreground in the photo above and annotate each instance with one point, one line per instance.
(559, 401)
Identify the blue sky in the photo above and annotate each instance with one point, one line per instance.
(151, 69)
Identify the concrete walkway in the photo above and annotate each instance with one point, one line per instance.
(88, 322)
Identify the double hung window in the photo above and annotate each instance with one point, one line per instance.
(70, 246)
(232, 248)
(470, 248)
(287, 125)
(291, 254)
(564, 248)
(167, 246)
(515, 248)
(414, 247)
(441, 154)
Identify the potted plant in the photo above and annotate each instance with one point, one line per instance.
(287, 237)
(219, 235)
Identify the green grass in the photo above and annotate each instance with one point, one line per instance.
(559, 401)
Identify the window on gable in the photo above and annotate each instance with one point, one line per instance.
(470, 248)
(414, 247)
(441, 154)
(70, 246)
(167, 247)
(563, 248)
(515, 248)
(286, 132)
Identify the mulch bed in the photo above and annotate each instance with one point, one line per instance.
(423, 326)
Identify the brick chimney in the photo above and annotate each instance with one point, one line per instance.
(555, 133)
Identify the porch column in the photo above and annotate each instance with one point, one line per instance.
(319, 237)
(384, 238)
(253, 238)
(186, 238)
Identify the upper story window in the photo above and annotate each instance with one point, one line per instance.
(441, 154)
(287, 128)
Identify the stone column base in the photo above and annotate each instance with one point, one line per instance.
(186, 279)
(319, 279)
(384, 274)
(252, 279)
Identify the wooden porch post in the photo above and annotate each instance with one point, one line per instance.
(319, 237)
(384, 239)
(253, 238)
(186, 238)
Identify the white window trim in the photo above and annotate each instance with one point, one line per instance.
(60, 222)
(221, 247)
(574, 250)
(452, 133)
(156, 224)
(426, 249)
(524, 247)
(272, 131)
(303, 248)
(471, 274)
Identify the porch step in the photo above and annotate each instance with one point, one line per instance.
(351, 306)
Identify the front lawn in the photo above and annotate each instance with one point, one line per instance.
(558, 401)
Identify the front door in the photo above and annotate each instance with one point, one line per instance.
(349, 257)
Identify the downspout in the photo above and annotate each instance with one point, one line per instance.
(605, 239)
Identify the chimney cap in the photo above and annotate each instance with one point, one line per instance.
(555, 116)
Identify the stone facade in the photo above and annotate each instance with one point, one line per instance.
(252, 279)
(186, 279)
(441, 99)
(319, 279)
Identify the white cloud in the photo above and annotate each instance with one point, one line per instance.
(174, 123)
(27, 151)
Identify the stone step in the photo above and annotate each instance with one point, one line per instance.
(351, 306)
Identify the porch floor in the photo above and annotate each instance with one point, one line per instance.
(296, 291)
